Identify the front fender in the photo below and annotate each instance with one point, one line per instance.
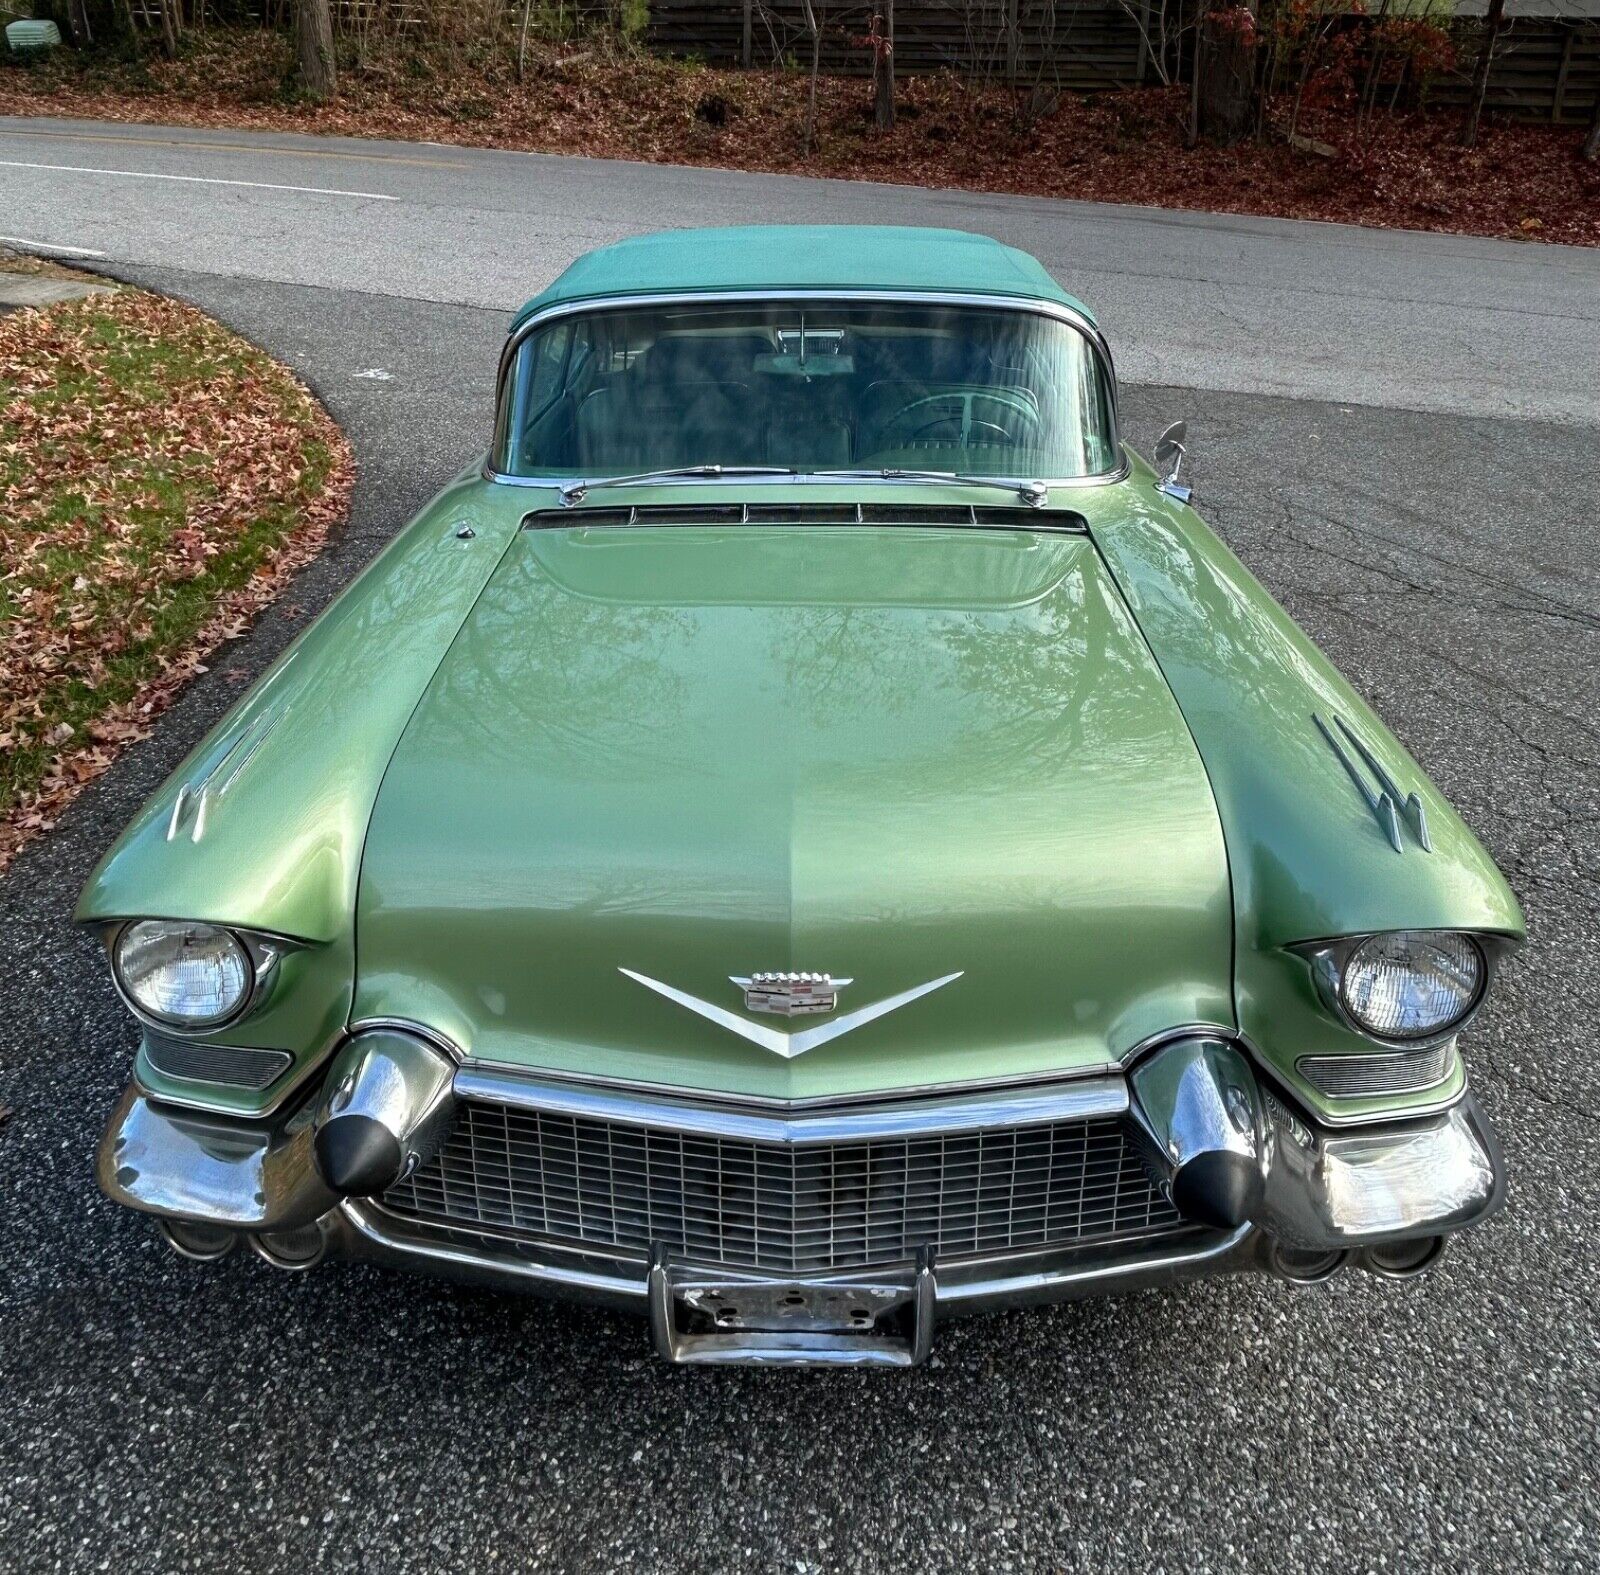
(1299, 766)
(262, 826)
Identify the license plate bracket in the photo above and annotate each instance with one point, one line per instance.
(882, 1320)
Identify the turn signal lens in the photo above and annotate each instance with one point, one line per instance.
(1412, 984)
(185, 975)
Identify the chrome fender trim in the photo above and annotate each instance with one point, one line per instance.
(187, 1165)
(1329, 1190)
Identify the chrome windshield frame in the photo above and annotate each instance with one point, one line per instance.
(1017, 303)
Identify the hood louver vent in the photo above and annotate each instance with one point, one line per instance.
(958, 514)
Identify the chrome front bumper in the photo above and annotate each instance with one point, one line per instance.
(1324, 1196)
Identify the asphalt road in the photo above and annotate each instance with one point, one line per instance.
(1266, 306)
(156, 1415)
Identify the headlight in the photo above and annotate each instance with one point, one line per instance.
(185, 975)
(1412, 984)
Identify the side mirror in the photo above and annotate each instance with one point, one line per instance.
(1169, 457)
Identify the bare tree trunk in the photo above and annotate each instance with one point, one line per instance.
(883, 70)
(1227, 83)
(1197, 56)
(133, 29)
(169, 30)
(522, 41)
(1480, 73)
(746, 42)
(313, 45)
(1591, 148)
(816, 63)
(1152, 49)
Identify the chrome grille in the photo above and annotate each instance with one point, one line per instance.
(1393, 1072)
(238, 1066)
(779, 1208)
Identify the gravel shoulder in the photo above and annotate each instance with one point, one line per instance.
(160, 1416)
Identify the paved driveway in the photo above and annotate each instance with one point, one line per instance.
(1198, 300)
(156, 1415)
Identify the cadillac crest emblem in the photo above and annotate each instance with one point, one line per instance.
(790, 994)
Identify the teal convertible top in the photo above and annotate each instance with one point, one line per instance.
(776, 257)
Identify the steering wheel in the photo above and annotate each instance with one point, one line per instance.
(1017, 403)
(965, 426)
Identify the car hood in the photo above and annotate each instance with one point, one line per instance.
(892, 754)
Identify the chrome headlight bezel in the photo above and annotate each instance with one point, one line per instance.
(1329, 960)
(261, 952)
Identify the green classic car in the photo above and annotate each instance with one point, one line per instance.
(810, 836)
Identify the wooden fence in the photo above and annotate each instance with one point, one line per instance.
(1544, 68)
(1084, 47)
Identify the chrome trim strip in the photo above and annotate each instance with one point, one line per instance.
(1065, 314)
(1182, 1031)
(1073, 1272)
(719, 1097)
(357, 1218)
(1106, 478)
(407, 1025)
(1079, 1101)
(1044, 1282)
(621, 1255)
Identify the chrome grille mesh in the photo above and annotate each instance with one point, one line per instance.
(783, 1209)
(1392, 1072)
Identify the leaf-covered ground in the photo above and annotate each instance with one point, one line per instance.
(592, 97)
(160, 480)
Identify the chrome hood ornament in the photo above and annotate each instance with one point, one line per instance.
(790, 994)
(774, 1039)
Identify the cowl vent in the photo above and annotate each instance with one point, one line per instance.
(956, 514)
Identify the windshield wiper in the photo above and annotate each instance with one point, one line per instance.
(576, 491)
(1034, 493)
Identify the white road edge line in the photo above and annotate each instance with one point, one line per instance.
(198, 180)
(48, 246)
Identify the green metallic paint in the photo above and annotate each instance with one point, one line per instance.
(280, 849)
(891, 753)
(1082, 770)
(770, 259)
(1309, 859)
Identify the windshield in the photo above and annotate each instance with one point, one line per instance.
(812, 386)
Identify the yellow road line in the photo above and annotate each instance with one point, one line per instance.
(237, 147)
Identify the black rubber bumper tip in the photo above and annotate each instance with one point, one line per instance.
(357, 1156)
(1219, 1189)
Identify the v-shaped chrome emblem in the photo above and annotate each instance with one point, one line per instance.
(774, 1039)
